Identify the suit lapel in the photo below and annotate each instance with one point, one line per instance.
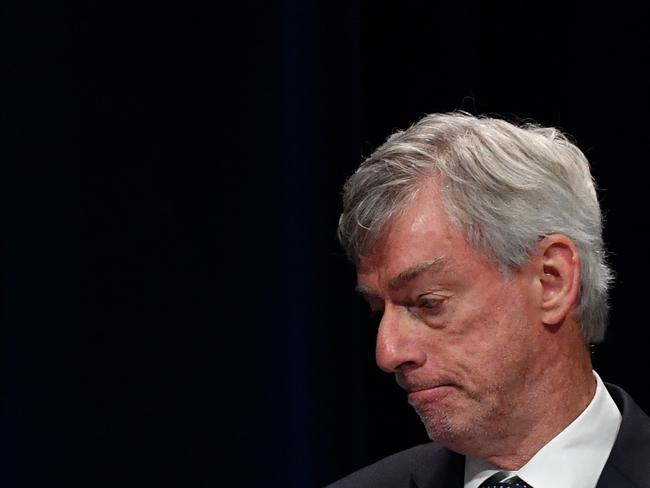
(446, 471)
(612, 478)
(628, 464)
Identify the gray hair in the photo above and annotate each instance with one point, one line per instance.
(503, 186)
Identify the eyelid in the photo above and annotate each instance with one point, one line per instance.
(429, 300)
(428, 307)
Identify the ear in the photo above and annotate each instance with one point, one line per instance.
(558, 271)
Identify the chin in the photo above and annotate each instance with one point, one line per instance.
(444, 428)
(442, 434)
(439, 426)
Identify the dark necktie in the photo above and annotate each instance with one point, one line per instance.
(504, 480)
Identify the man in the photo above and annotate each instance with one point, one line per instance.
(480, 244)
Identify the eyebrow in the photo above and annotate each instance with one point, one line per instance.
(407, 275)
(414, 271)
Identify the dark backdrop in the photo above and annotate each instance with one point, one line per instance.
(177, 311)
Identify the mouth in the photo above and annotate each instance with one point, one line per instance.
(430, 394)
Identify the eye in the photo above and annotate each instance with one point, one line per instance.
(429, 303)
(427, 307)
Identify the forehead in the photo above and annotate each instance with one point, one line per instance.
(422, 232)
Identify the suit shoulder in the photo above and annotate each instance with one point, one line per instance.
(629, 457)
(394, 470)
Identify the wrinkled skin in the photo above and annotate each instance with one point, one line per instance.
(467, 343)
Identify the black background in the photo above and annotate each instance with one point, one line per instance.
(177, 311)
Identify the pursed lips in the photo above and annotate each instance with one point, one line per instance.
(420, 396)
(416, 386)
(427, 388)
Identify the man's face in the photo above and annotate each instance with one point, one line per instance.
(459, 336)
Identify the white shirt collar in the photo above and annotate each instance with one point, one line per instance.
(572, 459)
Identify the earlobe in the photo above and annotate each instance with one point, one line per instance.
(559, 275)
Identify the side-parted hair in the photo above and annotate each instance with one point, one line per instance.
(503, 186)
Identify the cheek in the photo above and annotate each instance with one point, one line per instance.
(492, 336)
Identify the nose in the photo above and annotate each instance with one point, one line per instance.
(397, 345)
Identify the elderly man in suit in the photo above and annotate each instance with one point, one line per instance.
(479, 243)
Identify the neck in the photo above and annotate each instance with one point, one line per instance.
(557, 393)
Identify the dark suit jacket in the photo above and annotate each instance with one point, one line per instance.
(434, 466)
